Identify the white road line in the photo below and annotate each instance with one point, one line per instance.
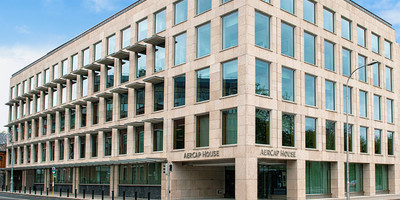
(12, 198)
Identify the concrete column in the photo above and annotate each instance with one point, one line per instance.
(130, 140)
(246, 178)
(369, 179)
(296, 179)
(75, 179)
(56, 150)
(24, 179)
(394, 179)
(88, 147)
(337, 180)
(100, 145)
(114, 180)
(39, 146)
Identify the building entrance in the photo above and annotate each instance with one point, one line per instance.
(272, 180)
(229, 182)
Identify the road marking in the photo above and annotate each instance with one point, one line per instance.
(11, 198)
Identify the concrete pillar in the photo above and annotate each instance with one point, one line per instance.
(394, 178)
(24, 179)
(369, 179)
(337, 180)
(114, 180)
(246, 178)
(75, 179)
(100, 145)
(296, 179)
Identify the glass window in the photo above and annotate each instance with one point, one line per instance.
(389, 82)
(72, 117)
(388, 49)
(309, 48)
(287, 84)
(64, 64)
(158, 137)
(159, 57)
(376, 74)
(309, 11)
(46, 79)
(94, 175)
(123, 105)
(377, 107)
(142, 30)
(346, 62)
(110, 76)
(375, 43)
(262, 78)
(328, 20)
(355, 177)
(329, 95)
(363, 104)
(85, 86)
(122, 140)
(109, 109)
(329, 55)
(181, 11)
(82, 148)
(61, 149)
(230, 78)
(83, 115)
(62, 121)
(390, 143)
(362, 72)
(179, 134)
(230, 31)
(225, 1)
(262, 30)
(287, 5)
(318, 177)
(124, 70)
(203, 84)
(107, 143)
(140, 101)
(389, 110)
(74, 64)
(363, 139)
(350, 137)
(71, 148)
(74, 88)
(229, 126)
(203, 6)
(381, 178)
(288, 125)
(202, 130)
(349, 92)
(378, 141)
(180, 49)
(85, 59)
(311, 133)
(95, 113)
(330, 131)
(361, 36)
(97, 51)
(287, 39)
(161, 20)
(96, 81)
(310, 90)
(158, 96)
(179, 90)
(346, 29)
(125, 37)
(262, 126)
(203, 40)
(141, 64)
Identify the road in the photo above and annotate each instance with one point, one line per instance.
(9, 196)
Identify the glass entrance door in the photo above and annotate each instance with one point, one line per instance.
(272, 180)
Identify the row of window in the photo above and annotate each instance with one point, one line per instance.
(229, 136)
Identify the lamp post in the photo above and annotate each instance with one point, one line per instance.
(10, 135)
(347, 127)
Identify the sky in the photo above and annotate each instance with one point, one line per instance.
(32, 28)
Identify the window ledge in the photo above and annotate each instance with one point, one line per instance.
(264, 145)
(309, 106)
(228, 145)
(312, 149)
(349, 40)
(178, 65)
(294, 57)
(362, 47)
(157, 152)
(311, 64)
(179, 23)
(311, 22)
(201, 148)
(201, 102)
(263, 48)
(177, 150)
(333, 111)
(293, 14)
(287, 101)
(199, 58)
(263, 96)
(364, 154)
(331, 151)
(229, 48)
(202, 12)
(289, 148)
(229, 96)
(178, 107)
(158, 111)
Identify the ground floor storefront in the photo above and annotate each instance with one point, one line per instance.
(240, 178)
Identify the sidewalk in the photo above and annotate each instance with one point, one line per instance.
(64, 195)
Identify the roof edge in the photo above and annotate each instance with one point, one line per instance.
(80, 36)
(369, 13)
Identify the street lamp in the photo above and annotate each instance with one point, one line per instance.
(347, 126)
(10, 135)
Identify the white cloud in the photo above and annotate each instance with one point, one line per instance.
(100, 5)
(24, 29)
(12, 59)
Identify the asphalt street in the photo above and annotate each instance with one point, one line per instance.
(9, 196)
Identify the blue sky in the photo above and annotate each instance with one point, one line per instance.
(31, 28)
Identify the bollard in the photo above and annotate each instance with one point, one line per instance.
(30, 189)
(60, 192)
(67, 192)
(47, 191)
(102, 195)
(135, 195)
(25, 190)
(148, 196)
(83, 193)
(112, 195)
(41, 191)
(92, 194)
(76, 194)
(20, 188)
(34, 189)
(123, 195)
